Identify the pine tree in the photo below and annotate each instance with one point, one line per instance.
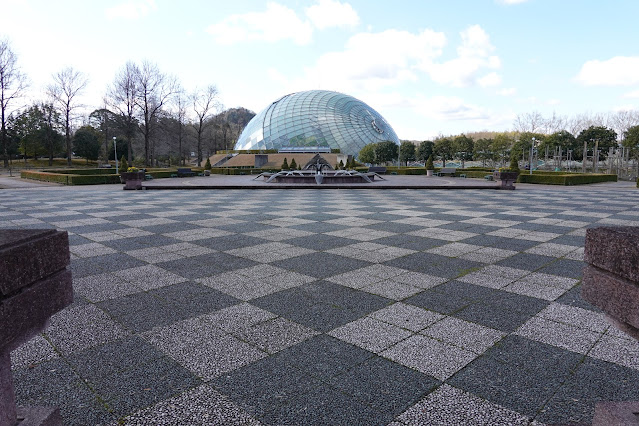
(124, 166)
(207, 166)
(293, 164)
(429, 163)
(514, 163)
(285, 164)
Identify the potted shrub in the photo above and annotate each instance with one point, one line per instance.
(508, 175)
(132, 178)
(429, 166)
(207, 167)
(124, 165)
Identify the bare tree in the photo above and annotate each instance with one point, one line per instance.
(554, 124)
(122, 96)
(104, 120)
(67, 85)
(13, 84)
(530, 122)
(154, 91)
(581, 122)
(621, 121)
(205, 103)
(180, 117)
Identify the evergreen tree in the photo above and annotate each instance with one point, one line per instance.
(207, 166)
(429, 163)
(285, 164)
(367, 154)
(341, 165)
(293, 164)
(124, 165)
(514, 163)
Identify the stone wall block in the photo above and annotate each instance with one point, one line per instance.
(29, 255)
(614, 249)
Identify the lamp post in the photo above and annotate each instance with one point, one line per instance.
(532, 146)
(115, 147)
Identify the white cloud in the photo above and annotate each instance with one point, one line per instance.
(627, 107)
(473, 55)
(511, 1)
(371, 61)
(507, 91)
(330, 13)
(632, 95)
(617, 71)
(274, 24)
(131, 9)
(279, 22)
(553, 101)
(489, 80)
(450, 108)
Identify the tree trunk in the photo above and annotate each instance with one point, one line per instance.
(3, 142)
(67, 135)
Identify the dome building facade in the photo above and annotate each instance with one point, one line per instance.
(316, 120)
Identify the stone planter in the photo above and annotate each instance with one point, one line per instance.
(611, 283)
(429, 173)
(207, 173)
(507, 179)
(34, 284)
(132, 180)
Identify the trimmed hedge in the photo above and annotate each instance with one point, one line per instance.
(82, 171)
(474, 173)
(478, 169)
(566, 179)
(90, 176)
(71, 179)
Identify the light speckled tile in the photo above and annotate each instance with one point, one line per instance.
(438, 359)
(451, 406)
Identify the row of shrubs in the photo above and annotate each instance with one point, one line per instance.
(89, 176)
(108, 176)
(70, 178)
(83, 171)
(565, 178)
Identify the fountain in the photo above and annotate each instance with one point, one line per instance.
(317, 173)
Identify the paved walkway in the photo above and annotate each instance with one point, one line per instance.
(402, 307)
(253, 182)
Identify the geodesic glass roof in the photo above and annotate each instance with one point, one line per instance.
(316, 118)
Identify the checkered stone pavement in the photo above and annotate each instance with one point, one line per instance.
(400, 307)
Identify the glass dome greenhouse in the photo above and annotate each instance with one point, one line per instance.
(316, 120)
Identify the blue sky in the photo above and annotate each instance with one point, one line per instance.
(429, 67)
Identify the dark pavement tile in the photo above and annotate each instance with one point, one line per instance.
(321, 305)
(321, 265)
(384, 385)
(565, 268)
(517, 373)
(54, 383)
(324, 357)
(573, 298)
(594, 381)
(433, 264)
(320, 242)
(528, 261)
(205, 265)
(143, 311)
